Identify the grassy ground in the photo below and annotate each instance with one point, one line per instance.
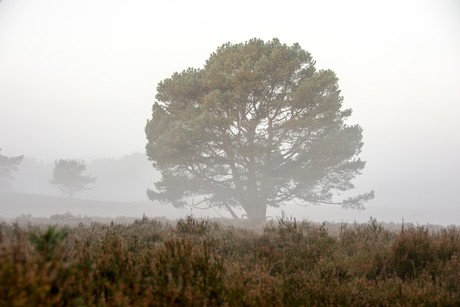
(203, 263)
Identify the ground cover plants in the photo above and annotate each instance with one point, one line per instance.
(195, 262)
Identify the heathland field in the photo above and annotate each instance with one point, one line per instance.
(208, 263)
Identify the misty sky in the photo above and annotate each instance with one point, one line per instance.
(78, 78)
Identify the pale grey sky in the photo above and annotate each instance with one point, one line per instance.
(78, 78)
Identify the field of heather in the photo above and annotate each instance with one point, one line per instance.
(194, 262)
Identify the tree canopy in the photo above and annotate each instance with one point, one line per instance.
(257, 126)
(67, 176)
(7, 165)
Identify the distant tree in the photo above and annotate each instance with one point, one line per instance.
(257, 126)
(67, 176)
(7, 165)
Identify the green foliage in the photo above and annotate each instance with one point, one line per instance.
(193, 226)
(67, 176)
(7, 165)
(288, 263)
(256, 127)
(46, 243)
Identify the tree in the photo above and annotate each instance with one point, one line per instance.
(257, 126)
(67, 176)
(7, 165)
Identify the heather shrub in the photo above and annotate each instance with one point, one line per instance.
(47, 243)
(411, 252)
(187, 275)
(193, 226)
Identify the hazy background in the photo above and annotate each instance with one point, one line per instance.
(78, 79)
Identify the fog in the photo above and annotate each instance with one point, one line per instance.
(124, 179)
(78, 80)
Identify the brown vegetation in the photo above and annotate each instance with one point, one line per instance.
(203, 263)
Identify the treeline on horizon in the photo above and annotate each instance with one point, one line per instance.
(123, 179)
(205, 263)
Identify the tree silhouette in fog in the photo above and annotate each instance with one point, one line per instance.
(257, 126)
(68, 178)
(7, 165)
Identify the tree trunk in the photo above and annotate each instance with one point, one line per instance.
(256, 210)
(232, 212)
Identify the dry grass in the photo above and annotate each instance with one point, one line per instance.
(208, 263)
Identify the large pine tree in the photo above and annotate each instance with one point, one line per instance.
(257, 126)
